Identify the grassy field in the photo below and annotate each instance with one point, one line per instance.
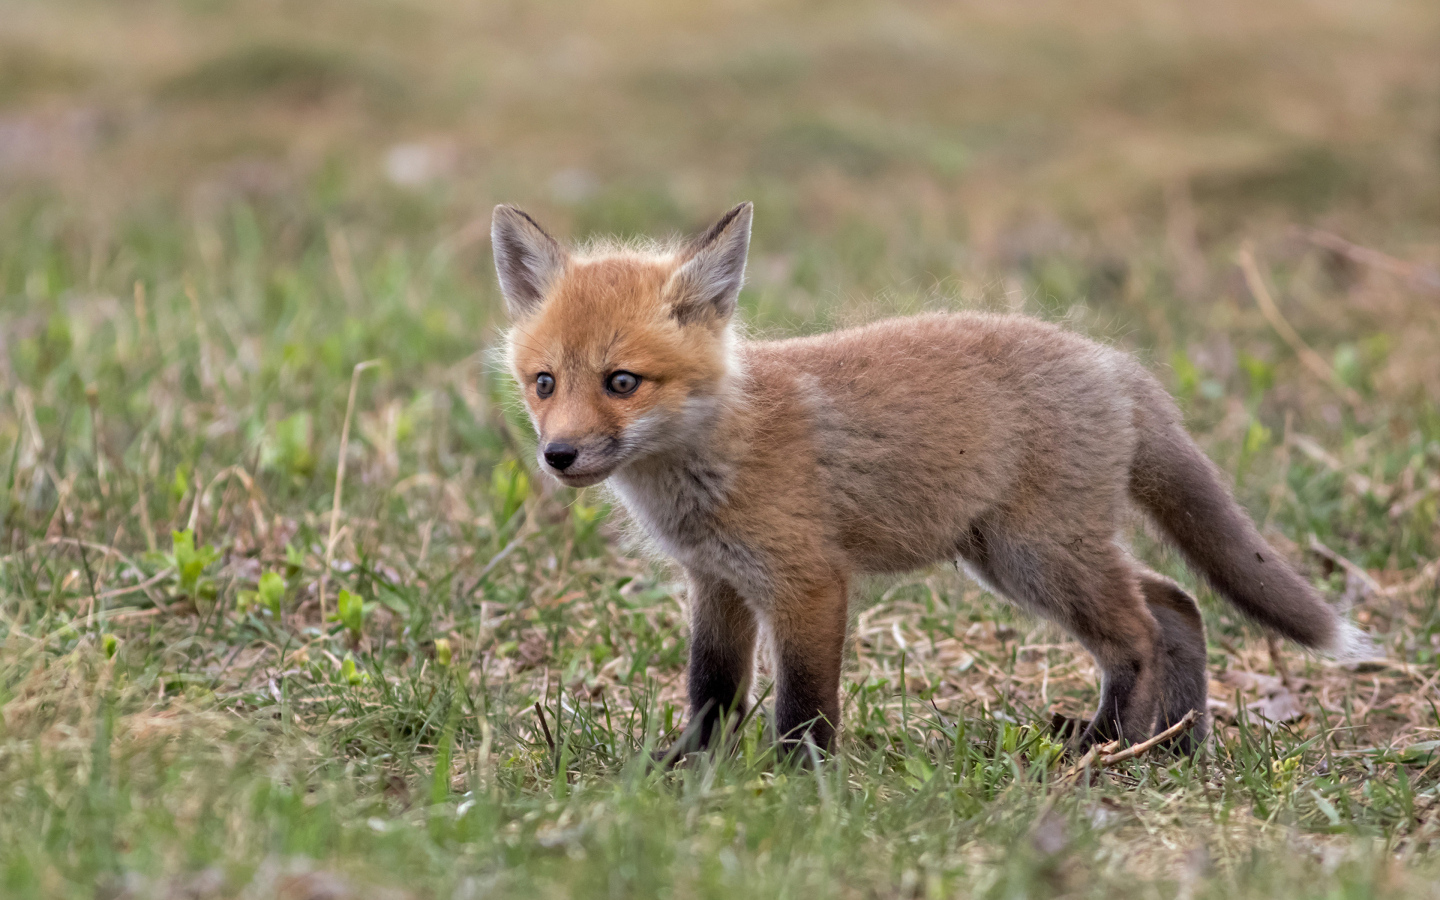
(223, 676)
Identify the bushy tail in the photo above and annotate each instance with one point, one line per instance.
(1176, 483)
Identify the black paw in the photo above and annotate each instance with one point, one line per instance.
(1068, 730)
(801, 752)
(675, 756)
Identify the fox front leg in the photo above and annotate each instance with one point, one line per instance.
(809, 640)
(722, 658)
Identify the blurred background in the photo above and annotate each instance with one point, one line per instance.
(212, 210)
(1104, 151)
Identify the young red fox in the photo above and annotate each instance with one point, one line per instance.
(775, 471)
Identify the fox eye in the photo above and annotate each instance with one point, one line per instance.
(622, 383)
(544, 384)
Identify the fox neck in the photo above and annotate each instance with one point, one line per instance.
(711, 433)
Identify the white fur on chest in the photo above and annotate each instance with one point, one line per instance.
(676, 505)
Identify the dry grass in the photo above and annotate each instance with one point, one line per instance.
(211, 211)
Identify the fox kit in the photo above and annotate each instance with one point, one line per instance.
(774, 472)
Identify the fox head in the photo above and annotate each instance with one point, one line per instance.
(621, 354)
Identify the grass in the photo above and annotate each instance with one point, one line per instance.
(211, 213)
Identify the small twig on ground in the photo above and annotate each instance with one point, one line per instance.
(1145, 746)
(1308, 357)
(340, 483)
(1101, 755)
(544, 726)
(1090, 756)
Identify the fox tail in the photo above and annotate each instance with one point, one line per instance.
(1173, 480)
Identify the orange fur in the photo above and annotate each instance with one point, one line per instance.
(775, 471)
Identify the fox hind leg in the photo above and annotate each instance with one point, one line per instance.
(1088, 587)
(1182, 659)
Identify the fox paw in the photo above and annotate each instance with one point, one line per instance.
(1068, 729)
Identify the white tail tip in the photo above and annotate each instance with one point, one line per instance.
(1351, 645)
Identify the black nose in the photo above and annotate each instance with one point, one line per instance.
(560, 456)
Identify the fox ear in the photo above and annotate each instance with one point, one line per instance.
(527, 260)
(709, 281)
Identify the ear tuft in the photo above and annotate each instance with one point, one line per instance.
(527, 260)
(708, 284)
